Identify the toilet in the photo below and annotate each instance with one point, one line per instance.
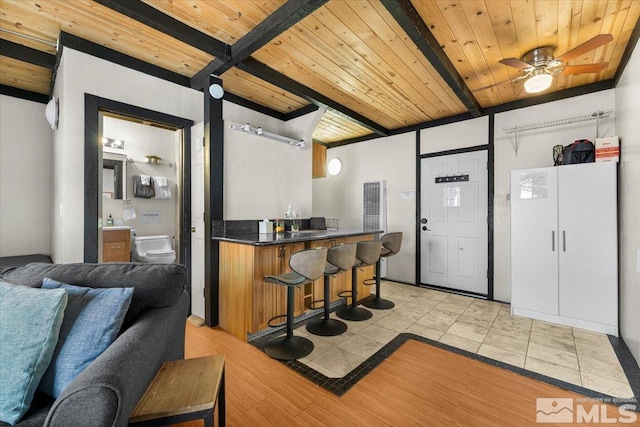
(153, 250)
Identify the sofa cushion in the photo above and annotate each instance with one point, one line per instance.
(92, 320)
(9, 263)
(30, 321)
(155, 285)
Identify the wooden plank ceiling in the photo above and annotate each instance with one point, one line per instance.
(354, 53)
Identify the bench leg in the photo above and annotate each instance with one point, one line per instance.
(222, 419)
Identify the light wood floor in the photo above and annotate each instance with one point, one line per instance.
(418, 385)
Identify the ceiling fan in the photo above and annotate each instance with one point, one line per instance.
(539, 65)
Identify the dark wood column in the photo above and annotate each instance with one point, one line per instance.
(214, 193)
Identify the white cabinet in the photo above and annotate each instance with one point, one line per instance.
(564, 245)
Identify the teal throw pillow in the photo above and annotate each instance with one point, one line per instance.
(92, 320)
(30, 320)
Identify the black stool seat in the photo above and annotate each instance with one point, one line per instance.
(367, 253)
(391, 244)
(339, 258)
(307, 266)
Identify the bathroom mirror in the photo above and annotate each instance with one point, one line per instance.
(114, 176)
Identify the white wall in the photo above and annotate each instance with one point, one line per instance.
(469, 133)
(535, 150)
(79, 74)
(141, 140)
(628, 128)
(392, 159)
(262, 177)
(25, 176)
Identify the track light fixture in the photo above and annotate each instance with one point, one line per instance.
(247, 128)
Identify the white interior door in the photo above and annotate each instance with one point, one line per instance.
(534, 239)
(197, 220)
(453, 241)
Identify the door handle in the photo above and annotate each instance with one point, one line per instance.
(193, 229)
(564, 241)
(424, 222)
(553, 240)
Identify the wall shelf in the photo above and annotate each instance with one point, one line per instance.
(597, 115)
(149, 163)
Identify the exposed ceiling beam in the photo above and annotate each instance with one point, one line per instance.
(409, 19)
(135, 9)
(94, 49)
(23, 94)
(253, 106)
(272, 76)
(432, 123)
(349, 141)
(27, 54)
(552, 96)
(285, 17)
(301, 111)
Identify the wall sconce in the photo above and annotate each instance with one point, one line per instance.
(334, 167)
(51, 112)
(260, 132)
(113, 143)
(216, 91)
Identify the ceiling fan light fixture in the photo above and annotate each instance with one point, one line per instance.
(538, 82)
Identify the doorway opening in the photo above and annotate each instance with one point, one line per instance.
(95, 200)
(133, 148)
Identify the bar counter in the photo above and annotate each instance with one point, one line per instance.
(247, 303)
(259, 239)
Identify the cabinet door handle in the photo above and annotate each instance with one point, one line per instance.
(553, 240)
(564, 241)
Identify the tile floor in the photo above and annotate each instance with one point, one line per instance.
(487, 328)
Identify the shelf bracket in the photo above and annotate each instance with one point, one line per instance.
(516, 145)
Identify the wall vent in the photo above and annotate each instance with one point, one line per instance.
(374, 211)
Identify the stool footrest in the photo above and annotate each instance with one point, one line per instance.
(345, 294)
(276, 325)
(369, 282)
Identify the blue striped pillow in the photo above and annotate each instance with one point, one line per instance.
(92, 320)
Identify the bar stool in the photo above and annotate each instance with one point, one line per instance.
(339, 258)
(391, 244)
(307, 266)
(367, 253)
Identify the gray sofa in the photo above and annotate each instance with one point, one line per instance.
(107, 391)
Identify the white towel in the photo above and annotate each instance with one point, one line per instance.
(145, 179)
(162, 192)
(161, 180)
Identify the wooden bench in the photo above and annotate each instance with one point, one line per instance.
(183, 390)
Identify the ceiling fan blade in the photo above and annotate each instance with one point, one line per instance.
(515, 63)
(585, 47)
(585, 68)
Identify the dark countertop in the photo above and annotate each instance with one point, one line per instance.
(257, 239)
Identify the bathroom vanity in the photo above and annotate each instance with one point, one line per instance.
(247, 303)
(116, 244)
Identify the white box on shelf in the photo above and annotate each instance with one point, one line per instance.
(265, 227)
(608, 149)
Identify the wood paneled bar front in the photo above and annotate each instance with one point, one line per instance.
(247, 303)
